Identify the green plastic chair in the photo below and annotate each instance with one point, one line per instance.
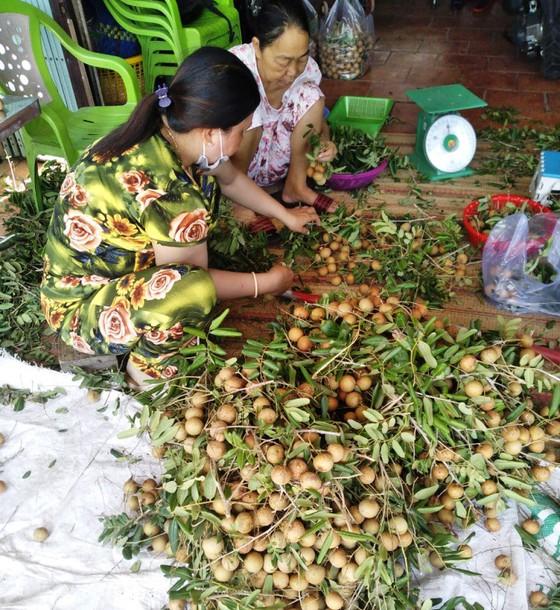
(162, 37)
(57, 131)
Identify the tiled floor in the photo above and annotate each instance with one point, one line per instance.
(417, 46)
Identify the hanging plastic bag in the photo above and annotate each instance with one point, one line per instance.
(313, 19)
(345, 41)
(369, 26)
(521, 264)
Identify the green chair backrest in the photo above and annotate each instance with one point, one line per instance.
(23, 68)
(151, 20)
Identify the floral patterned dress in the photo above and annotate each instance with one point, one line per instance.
(101, 289)
(271, 162)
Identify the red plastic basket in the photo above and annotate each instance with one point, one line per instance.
(497, 202)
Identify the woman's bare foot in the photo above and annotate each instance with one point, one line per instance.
(307, 196)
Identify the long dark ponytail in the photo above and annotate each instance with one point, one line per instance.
(275, 16)
(212, 88)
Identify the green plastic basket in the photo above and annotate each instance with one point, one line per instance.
(364, 113)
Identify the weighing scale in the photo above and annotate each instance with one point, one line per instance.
(445, 141)
(547, 177)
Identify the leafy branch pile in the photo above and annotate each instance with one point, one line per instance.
(357, 152)
(515, 149)
(538, 265)
(232, 247)
(417, 257)
(488, 216)
(339, 457)
(22, 324)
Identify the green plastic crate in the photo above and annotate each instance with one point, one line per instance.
(364, 113)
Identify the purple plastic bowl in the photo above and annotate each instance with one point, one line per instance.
(349, 182)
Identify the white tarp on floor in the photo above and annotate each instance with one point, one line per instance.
(73, 480)
(61, 475)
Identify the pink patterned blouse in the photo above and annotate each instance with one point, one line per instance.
(272, 160)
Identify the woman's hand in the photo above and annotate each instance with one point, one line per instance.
(328, 152)
(297, 219)
(279, 279)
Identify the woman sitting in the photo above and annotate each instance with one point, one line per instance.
(273, 150)
(126, 262)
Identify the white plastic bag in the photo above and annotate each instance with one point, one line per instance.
(313, 19)
(345, 41)
(521, 264)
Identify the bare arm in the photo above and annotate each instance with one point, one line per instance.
(249, 144)
(241, 189)
(229, 284)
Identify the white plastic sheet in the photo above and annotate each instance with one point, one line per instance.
(73, 479)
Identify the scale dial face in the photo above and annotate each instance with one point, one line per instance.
(450, 143)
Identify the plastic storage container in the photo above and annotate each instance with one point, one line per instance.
(112, 86)
(367, 114)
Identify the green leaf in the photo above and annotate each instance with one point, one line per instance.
(397, 448)
(428, 492)
(173, 534)
(465, 334)
(196, 332)
(408, 437)
(488, 499)
(297, 402)
(519, 498)
(19, 403)
(460, 510)
(429, 509)
(529, 377)
(210, 487)
(129, 433)
(225, 332)
(385, 453)
(515, 483)
(325, 548)
(216, 323)
(555, 402)
(426, 353)
(298, 415)
(170, 487)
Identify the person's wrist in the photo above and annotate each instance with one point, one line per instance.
(265, 282)
(284, 215)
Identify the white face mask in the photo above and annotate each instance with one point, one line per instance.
(202, 162)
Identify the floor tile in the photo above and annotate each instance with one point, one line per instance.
(536, 82)
(399, 59)
(491, 80)
(443, 46)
